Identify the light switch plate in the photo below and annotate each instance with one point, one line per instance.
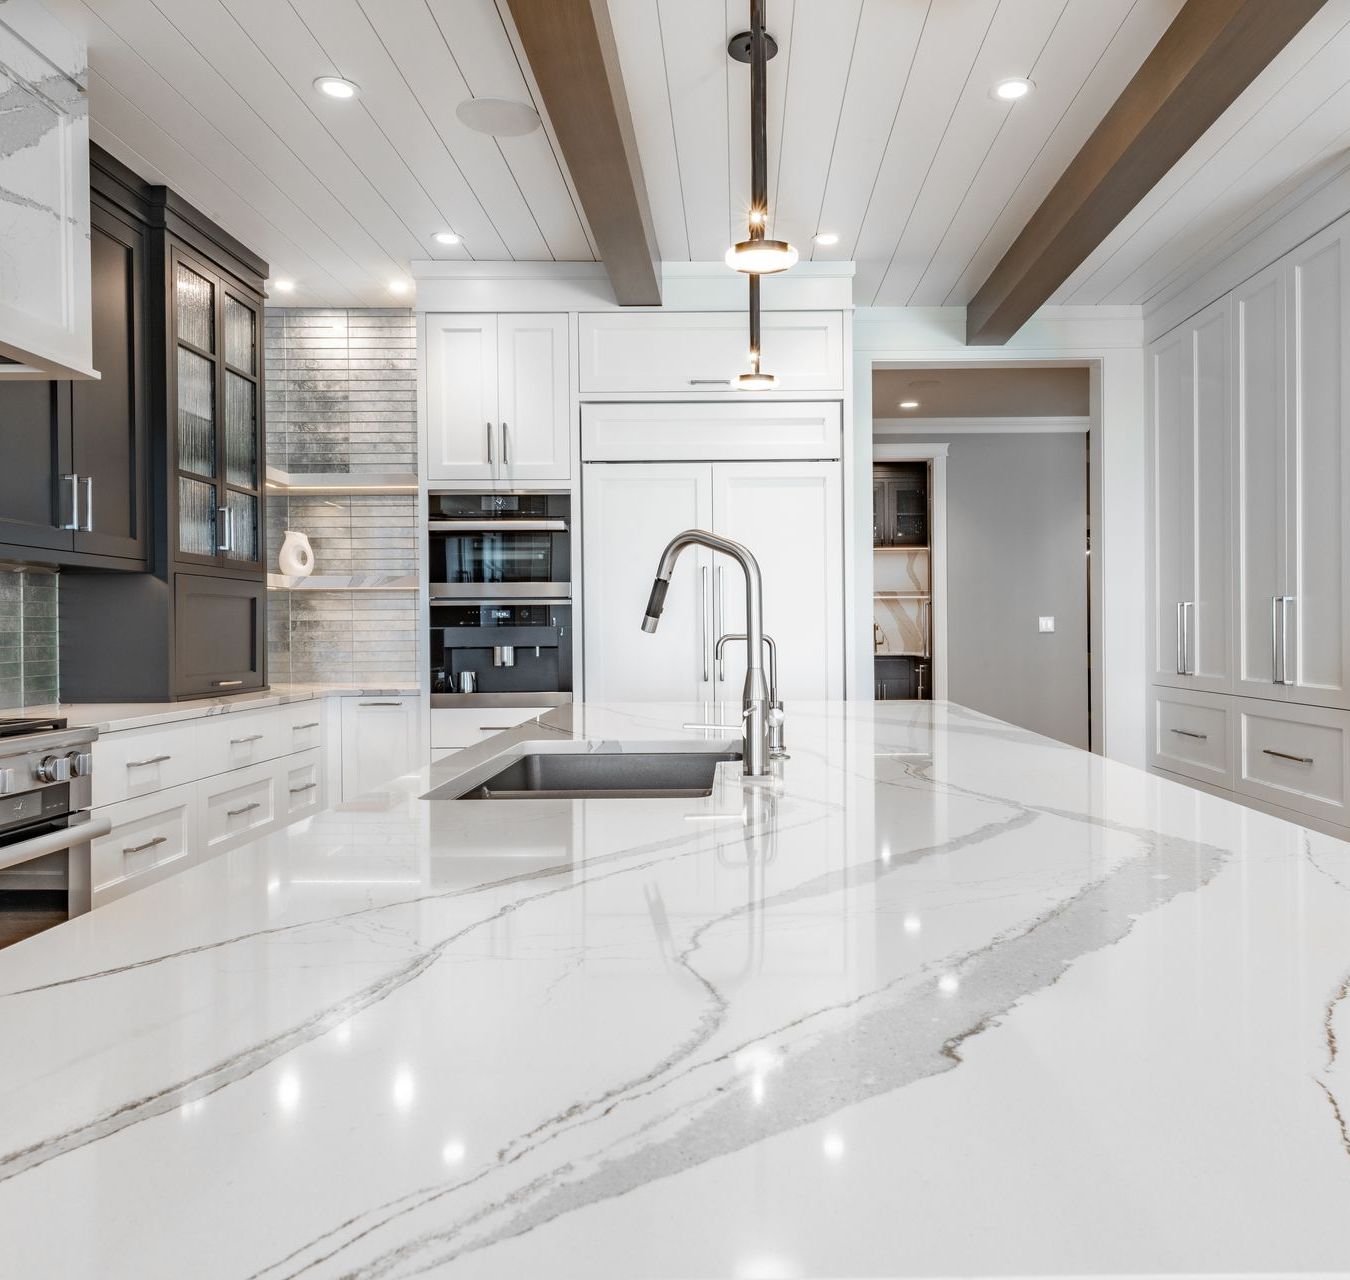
(1047, 624)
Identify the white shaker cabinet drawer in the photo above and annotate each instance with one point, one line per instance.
(237, 740)
(1192, 735)
(302, 777)
(302, 725)
(744, 431)
(152, 836)
(1294, 756)
(466, 726)
(235, 807)
(137, 762)
(702, 352)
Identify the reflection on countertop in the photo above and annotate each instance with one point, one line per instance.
(939, 998)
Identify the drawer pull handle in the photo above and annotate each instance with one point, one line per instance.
(309, 786)
(140, 764)
(1187, 733)
(310, 724)
(149, 844)
(1284, 755)
(710, 382)
(225, 684)
(248, 808)
(380, 704)
(239, 742)
(496, 728)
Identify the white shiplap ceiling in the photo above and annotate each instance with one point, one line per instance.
(881, 130)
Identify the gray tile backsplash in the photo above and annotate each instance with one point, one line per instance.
(28, 653)
(342, 397)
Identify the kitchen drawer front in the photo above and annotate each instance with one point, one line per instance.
(1193, 735)
(151, 837)
(702, 352)
(465, 726)
(239, 739)
(302, 725)
(302, 780)
(1295, 757)
(697, 432)
(137, 762)
(238, 806)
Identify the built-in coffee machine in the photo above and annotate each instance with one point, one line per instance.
(500, 598)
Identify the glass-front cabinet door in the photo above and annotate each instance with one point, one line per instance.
(216, 335)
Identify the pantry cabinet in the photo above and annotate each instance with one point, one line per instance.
(498, 400)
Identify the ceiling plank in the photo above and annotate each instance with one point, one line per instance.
(571, 50)
(1212, 51)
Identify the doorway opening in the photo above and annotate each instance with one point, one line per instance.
(981, 567)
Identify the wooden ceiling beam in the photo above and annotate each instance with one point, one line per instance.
(1212, 51)
(571, 50)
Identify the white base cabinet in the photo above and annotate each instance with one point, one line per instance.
(380, 741)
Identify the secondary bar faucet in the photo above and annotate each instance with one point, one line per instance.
(755, 695)
(777, 751)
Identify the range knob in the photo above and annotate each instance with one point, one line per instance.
(53, 769)
(81, 763)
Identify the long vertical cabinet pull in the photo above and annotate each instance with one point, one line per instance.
(1188, 649)
(719, 619)
(74, 521)
(1181, 637)
(223, 540)
(87, 523)
(487, 426)
(1279, 639)
(704, 608)
(1285, 602)
(506, 447)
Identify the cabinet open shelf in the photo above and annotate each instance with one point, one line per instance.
(908, 549)
(344, 582)
(280, 481)
(902, 595)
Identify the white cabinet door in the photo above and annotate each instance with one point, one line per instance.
(1259, 481)
(702, 352)
(1317, 462)
(1208, 567)
(730, 431)
(533, 399)
(1171, 387)
(462, 405)
(629, 513)
(379, 742)
(45, 305)
(790, 516)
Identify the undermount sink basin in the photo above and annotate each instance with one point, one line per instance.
(604, 775)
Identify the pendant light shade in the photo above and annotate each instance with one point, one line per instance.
(761, 257)
(756, 381)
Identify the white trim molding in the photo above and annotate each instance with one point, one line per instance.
(883, 427)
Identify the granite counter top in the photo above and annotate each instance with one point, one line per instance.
(942, 999)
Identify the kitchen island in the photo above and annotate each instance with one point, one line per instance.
(941, 998)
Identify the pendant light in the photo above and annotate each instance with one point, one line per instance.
(757, 255)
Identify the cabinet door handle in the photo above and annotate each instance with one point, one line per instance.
(1187, 613)
(506, 446)
(1188, 733)
(140, 764)
(309, 724)
(74, 521)
(488, 427)
(224, 542)
(309, 786)
(225, 684)
(1284, 755)
(149, 844)
(710, 382)
(248, 808)
(380, 704)
(496, 728)
(252, 737)
(87, 524)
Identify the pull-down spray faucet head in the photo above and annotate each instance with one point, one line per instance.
(656, 602)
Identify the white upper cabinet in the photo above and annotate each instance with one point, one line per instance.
(45, 307)
(1316, 644)
(644, 353)
(729, 430)
(498, 404)
(1189, 380)
(1258, 448)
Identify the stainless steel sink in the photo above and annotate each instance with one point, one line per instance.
(603, 775)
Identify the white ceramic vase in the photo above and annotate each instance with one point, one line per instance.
(296, 556)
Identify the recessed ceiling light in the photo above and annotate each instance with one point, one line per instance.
(337, 87)
(445, 237)
(283, 285)
(398, 286)
(1013, 88)
(909, 404)
(500, 117)
(826, 237)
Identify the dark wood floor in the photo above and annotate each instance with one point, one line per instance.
(24, 914)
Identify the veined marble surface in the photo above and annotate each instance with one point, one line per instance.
(943, 999)
(112, 717)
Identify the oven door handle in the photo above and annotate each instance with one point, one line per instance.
(497, 526)
(53, 841)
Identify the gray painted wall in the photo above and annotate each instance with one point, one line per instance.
(1016, 537)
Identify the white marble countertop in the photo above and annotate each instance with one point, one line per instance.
(946, 999)
(112, 717)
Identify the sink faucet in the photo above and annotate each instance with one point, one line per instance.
(777, 750)
(755, 696)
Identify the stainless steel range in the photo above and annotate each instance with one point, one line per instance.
(45, 827)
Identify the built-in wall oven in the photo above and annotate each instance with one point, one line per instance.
(500, 592)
